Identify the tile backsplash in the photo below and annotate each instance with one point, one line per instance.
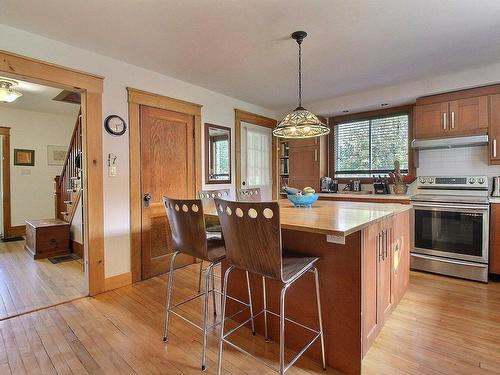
(456, 161)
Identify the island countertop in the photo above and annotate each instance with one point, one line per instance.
(333, 218)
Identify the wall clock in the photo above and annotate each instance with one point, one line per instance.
(115, 125)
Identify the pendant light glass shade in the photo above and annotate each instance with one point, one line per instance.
(300, 123)
(7, 94)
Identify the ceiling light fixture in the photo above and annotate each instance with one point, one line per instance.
(7, 94)
(300, 123)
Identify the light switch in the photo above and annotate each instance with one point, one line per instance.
(112, 171)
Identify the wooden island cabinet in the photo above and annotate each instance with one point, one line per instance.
(363, 251)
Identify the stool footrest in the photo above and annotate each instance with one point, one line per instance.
(292, 362)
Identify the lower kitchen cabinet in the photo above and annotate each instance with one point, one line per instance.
(385, 272)
(494, 263)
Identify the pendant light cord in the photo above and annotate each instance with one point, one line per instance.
(300, 73)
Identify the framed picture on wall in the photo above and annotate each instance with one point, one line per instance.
(56, 155)
(24, 157)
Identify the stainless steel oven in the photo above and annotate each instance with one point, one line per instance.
(451, 227)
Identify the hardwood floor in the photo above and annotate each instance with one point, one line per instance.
(442, 326)
(27, 284)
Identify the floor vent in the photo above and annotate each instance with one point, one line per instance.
(63, 258)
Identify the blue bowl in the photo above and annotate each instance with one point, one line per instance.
(303, 200)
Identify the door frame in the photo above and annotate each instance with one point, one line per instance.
(8, 230)
(137, 98)
(90, 87)
(252, 118)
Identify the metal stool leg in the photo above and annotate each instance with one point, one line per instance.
(169, 296)
(265, 307)
(199, 276)
(316, 279)
(207, 273)
(221, 339)
(213, 291)
(250, 302)
(282, 329)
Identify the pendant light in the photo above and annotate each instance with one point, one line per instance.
(7, 94)
(300, 123)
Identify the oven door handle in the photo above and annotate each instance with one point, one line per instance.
(481, 207)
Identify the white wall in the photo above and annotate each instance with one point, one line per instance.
(217, 109)
(32, 194)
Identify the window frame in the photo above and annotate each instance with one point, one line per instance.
(361, 116)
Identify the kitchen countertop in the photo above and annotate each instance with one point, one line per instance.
(494, 199)
(367, 196)
(332, 217)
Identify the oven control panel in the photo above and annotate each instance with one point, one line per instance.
(453, 182)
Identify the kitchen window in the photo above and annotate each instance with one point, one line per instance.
(369, 146)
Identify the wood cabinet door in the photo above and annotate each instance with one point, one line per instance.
(495, 238)
(370, 259)
(304, 167)
(303, 142)
(167, 169)
(469, 116)
(431, 120)
(494, 130)
(400, 250)
(385, 273)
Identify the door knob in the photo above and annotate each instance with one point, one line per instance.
(243, 183)
(146, 199)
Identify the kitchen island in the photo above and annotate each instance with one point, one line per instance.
(364, 271)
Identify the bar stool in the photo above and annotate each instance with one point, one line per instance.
(253, 243)
(187, 223)
(212, 228)
(249, 195)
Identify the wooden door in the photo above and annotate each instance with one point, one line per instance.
(167, 169)
(431, 120)
(385, 273)
(370, 260)
(494, 130)
(469, 116)
(304, 167)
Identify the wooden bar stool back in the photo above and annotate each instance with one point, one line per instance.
(249, 195)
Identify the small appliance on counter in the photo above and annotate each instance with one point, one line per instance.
(328, 185)
(381, 185)
(496, 187)
(353, 185)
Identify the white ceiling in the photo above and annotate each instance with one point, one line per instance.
(39, 98)
(242, 48)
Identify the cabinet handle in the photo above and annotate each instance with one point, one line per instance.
(316, 155)
(453, 119)
(444, 120)
(386, 242)
(379, 253)
(494, 148)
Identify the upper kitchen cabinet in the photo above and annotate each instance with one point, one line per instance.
(494, 130)
(431, 120)
(465, 116)
(469, 116)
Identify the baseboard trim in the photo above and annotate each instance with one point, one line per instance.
(117, 281)
(17, 231)
(76, 247)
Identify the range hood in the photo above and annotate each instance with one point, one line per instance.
(450, 142)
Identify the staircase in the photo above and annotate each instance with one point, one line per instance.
(68, 185)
